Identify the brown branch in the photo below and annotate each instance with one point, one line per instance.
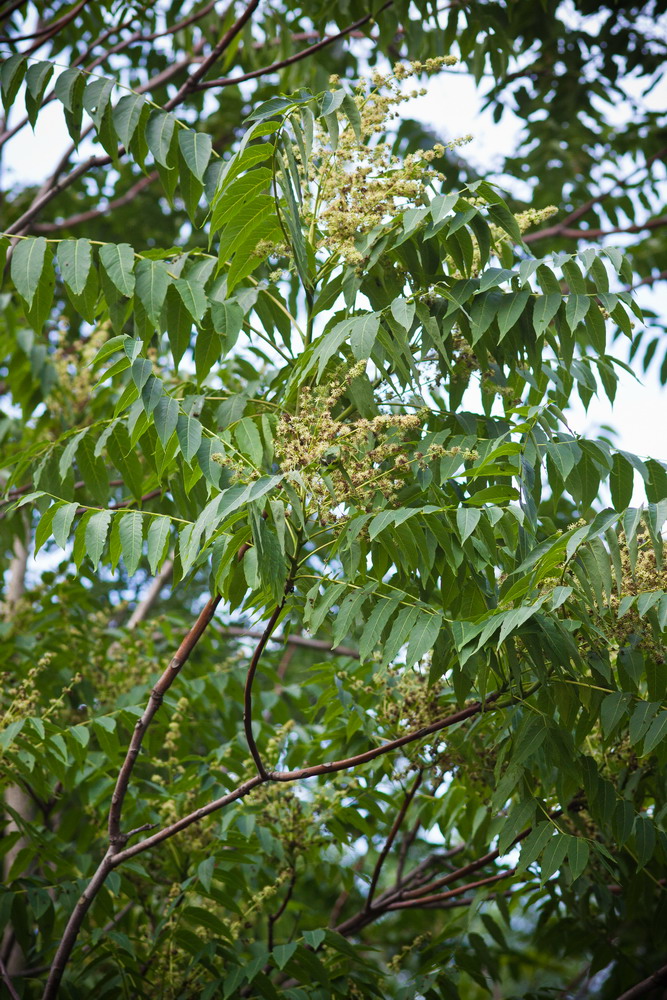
(346, 763)
(122, 504)
(405, 904)
(578, 213)
(229, 81)
(589, 234)
(293, 640)
(400, 816)
(168, 677)
(5, 15)
(224, 43)
(275, 917)
(48, 29)
(247, 693)
(151, 595)
(7, 981)
(95, 213)
(657, 978)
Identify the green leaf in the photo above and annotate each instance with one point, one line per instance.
(69, 89)
(424, 633)
(37, 79)
(165, 417)
(126, 116)
(75, 260)
(117, 259)
(97, 529)
(196, 148)
(62, 523)
(644, 840)
(347, 613)
(189, 432)
(546, 307)
(159, 135)
(158, 542)
(383, 611)
(510, 310)
(152, 282)
(193, 296)
(11, 77)
(403, 312)
(130, 532)
(575, 310)
(363, 331)
(249, 441)
(554, 855)
(27, 267)
(208, 351)
(578, 853)
(621, 482)
(283, 952)
(613, 709)
(227, 319)
(467, 519)
(655, 734)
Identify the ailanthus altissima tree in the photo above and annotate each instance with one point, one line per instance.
(334, 659)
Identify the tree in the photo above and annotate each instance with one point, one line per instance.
(340, 669)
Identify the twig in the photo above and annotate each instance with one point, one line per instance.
(404, 904)
(390, 839)
(229, 81)
(116, 837)
(590, 234)
(7, 981)
(275, 917)
(95, 213)
(224, 43)
(247, 694)
(657, 978)
(293, 640)
(151, 595)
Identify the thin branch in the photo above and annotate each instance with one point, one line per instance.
(7, 981)
(658, 978)
(247, 694)
(345, 764)
(122, 504)
(182, 654)
(651, 280)
(224, 43)
(590, 234)
(95, 213)
(151, 596)
(404, 904)
(48, 29)
(229, 81)
(400, 816)
(275, 917)
(293, 640)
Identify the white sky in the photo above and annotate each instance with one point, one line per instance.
(452, 106)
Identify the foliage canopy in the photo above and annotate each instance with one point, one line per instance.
(340, 670)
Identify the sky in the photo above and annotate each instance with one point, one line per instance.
(453, 107)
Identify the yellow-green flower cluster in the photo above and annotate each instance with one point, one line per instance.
(342, 462)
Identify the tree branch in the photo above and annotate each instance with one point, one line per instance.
(590, 234)
(8, 982)
(229, 81)
(95, 213)
(226, 40)
(657, 978)
(182, 654)
(293, 640)
(390, 839)
(247, 694)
